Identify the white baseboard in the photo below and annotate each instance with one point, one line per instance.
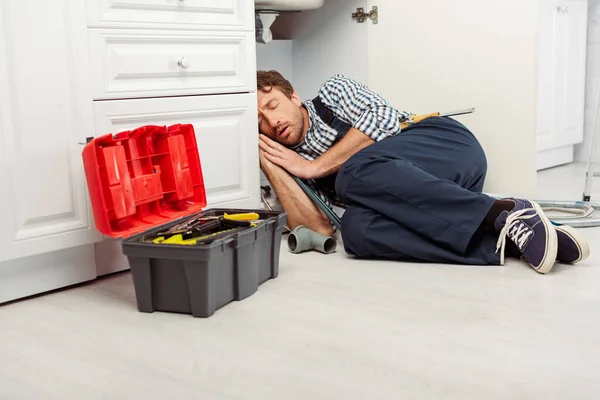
(555, 157)
(109, 257)
(41, 273)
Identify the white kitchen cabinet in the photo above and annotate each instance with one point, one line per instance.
(163, 62)
(44, 116)
(77, 69)
(563, 47)
(45, 111)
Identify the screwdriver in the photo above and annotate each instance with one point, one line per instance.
(418, 118)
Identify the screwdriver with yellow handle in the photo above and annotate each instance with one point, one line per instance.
(234, 217)
(178, 239)
(413, 119)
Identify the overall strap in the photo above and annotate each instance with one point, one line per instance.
(327, 183)
(327, 116)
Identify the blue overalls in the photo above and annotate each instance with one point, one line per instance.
(416, 196)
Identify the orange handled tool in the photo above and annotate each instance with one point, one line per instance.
(413, 119)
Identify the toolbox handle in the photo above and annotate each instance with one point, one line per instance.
(246, 237)
(228, 242)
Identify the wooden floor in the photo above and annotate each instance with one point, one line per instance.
(327, 327)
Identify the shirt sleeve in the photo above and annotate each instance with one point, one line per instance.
(359, 106)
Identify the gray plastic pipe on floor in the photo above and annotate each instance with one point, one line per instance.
(303, 239)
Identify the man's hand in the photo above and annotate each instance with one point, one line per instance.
(264, 163)
(300, 208)
(285, 158)
(326, 164)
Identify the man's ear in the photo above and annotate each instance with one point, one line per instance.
(296, 99)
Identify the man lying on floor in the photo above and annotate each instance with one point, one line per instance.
(411, 195)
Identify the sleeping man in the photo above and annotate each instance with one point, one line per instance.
(412, 194)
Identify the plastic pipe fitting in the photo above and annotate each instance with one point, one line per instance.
(303, 239)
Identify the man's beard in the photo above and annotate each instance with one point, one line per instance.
(297, 128)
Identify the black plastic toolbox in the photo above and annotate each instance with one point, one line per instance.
(144, 181)
(200, 279)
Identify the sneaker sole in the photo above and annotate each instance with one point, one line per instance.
(579, 239)
(551, 242)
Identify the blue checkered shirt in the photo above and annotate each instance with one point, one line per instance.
(358, 106)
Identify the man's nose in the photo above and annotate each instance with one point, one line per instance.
(273, 121)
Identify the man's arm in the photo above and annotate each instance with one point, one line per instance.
(332, 160)
(358, 105)
(300, 209)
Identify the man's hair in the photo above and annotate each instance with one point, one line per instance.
(267, 80)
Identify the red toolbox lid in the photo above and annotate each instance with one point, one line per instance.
(143, 178)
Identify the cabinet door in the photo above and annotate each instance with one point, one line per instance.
(546, 74)
(45, 110)
(563, 47)
(571, 49)
(226, 129)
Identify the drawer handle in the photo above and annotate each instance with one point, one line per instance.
(183, 63)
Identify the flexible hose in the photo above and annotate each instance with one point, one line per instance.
(335, 220)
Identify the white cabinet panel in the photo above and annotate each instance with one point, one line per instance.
(572, 50)
(226, 129)
(45, 111)
(561, 85)
(128, 64)
(44, 272)
(172, 14)
(546, 74)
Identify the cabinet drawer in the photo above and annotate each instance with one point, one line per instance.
(171, 14)
(127, 64)
(226, 129)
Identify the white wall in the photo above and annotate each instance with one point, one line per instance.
(592, 81)
(276, 55)
(435, 55)
(326, 42)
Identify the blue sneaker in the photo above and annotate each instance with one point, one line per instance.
(531, 231)
(572, 245)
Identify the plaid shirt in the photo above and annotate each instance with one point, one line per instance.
(355, 104)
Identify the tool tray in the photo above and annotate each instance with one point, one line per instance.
(145, 181)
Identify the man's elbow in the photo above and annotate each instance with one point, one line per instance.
(322, 226)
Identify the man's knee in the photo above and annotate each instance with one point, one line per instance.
(355, 222)
(342, 181)
(345, 176)
(355, 167)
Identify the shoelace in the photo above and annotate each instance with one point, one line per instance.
(517, 235)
